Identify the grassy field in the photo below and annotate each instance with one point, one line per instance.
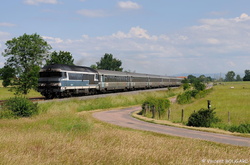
(6, 94)
(62, 135)
(66, 133)
(225, 99)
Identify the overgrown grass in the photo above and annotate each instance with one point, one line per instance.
(122, 100)
(63, 136)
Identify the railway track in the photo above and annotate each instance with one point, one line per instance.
(86, 97)
(34, 99)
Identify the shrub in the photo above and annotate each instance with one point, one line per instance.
(155, 105)
(184, 98)
(242, 128)
(199, 86)
(19, 107)
(202, 118)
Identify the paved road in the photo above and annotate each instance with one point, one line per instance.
(122, 117)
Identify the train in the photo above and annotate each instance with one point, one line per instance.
(60, 80)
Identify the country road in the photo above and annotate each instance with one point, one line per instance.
(122, 117)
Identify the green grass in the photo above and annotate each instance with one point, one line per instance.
(62, 135)
(225, 99)
(5, 93)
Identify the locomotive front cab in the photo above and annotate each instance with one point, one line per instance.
(49, 83)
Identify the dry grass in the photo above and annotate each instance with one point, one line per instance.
(62, 136)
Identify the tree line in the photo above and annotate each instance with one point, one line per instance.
(27, 54)
(230, 76)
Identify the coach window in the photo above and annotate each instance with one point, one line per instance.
(96, 77)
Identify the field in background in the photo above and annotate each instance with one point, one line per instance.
(227, 97)
(6, 94)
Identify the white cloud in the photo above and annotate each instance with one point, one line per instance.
(128, 5)
(36, 2)
(92, 13)
(6, 24)
(213, 41)
(243, 17)
(135, 32)
(52, 39)
(214, 45)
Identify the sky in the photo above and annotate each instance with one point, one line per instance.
(164, 37)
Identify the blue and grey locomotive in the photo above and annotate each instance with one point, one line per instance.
(61, 80)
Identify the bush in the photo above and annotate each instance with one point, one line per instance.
(242, 128)
(202, 118)
(18, 107)
(184, 98)
(155, 105)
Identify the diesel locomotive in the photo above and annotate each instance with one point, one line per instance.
(61, 80)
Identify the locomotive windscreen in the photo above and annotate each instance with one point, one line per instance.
(53, 74)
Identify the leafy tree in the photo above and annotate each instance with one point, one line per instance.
(202, 78)
(60, 58)
(238, 78)
(93, 66)
(25, 55)
(199, 85)
(107, 62)
(230, 76)
(7, 75)
(191, 78)
(247, 75)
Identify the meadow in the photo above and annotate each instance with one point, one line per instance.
(66, 133)
(227, 98)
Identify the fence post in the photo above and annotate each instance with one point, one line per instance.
(169, 111)
(153, 111)
(182, 115)
(228, 119)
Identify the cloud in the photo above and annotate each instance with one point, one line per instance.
(128, 5)
(5, 24)
(92, 13)
(135, 32)
(36, 2)
(52, 40)
(4, 36)
(213, 45)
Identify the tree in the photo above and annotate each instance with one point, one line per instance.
(107, 62)
(199, 86)
(238, 78)
(191, 78)
(60, 58)
(93, 66)
(202, 78)
(247, 75)
(230, 76)
(25, 56)
(7, 75)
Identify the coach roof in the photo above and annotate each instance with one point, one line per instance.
(69, 68)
